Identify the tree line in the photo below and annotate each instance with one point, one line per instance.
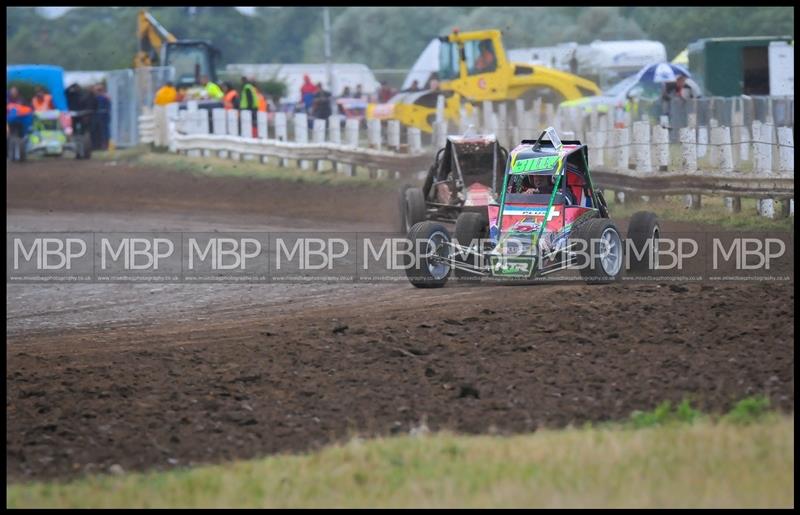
(102, 38)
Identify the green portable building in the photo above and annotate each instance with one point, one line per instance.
(732, 66)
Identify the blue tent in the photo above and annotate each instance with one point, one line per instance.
(49, 77)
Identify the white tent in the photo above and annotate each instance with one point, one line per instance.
(426, 64)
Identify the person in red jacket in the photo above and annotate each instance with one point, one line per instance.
(307, 92)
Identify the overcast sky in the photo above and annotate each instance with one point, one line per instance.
(55, 12)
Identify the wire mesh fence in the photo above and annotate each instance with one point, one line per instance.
(131, 92)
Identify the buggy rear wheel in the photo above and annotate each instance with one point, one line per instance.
(469, 228)
(644, 232)
(431, 249)
(414, 210)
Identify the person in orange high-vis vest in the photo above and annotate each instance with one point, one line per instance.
(42, 101)
(262, 102)
(231, 98)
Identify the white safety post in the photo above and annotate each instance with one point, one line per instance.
(414, 140)
(519, 114)
(785, 149)
(661, 147)
(318, 136)
(622, 151)
(762, 147)
(335, 129)
(280, 127)
(351, 132)
(374, 134)
(488, 112)
(318, 131)
(300, 128)
(393, 135)
(641, 147)
(722, 150)
(246, 118)
(301, 135)
(599, 140)
(688, 139)
(263, 127)
(702, 141)
(233, 122)
(440, 108)
(502, 124)
(219, 121)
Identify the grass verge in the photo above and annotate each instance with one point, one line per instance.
(218, 167)
(713, 212)
(664, 458)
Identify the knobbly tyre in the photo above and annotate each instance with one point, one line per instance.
(549, 217)
(464, 178)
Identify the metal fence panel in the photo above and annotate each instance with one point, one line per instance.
(132, 92)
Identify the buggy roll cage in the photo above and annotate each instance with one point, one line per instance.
(554, 142)
(454, 171)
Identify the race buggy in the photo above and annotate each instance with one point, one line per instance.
(463, 178)
(549, 218)
(51, 134)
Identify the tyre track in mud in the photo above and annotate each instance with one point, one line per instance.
(214, 374)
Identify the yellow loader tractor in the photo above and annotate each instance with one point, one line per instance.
(473, 68)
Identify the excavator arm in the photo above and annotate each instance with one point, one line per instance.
(151, 36)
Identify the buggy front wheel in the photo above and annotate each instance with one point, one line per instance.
(431, 250)
(600, 252)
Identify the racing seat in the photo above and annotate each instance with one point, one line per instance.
(577, 185)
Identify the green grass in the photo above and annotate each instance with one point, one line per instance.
(218, 167)
(712, 212)
(664, 414)
(663, 458)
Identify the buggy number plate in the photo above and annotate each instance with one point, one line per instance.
(535, 164)
(505, 266)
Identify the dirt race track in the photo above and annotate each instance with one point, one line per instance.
(165, 376)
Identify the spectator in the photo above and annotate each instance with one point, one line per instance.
(307, 92)
(249, 102)
(385, 92)
(262, 102)
(83, 102)
(321, 107)
(573, 62)
(42, 101)
(678, 89)
(101, 122)
(166, 94)
(19, 115)
(414, 86)
(214, 92)
(433, 82)
(346, 93)
(230, 99)
(359, 92)
(14, 97)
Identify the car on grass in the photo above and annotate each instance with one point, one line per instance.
(463, 178)
(549, 217)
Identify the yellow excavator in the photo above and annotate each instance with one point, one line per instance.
(158, 47)
(473, 67)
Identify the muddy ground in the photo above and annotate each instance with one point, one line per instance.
(162, 376)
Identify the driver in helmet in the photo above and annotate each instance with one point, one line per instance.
(537, 184)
